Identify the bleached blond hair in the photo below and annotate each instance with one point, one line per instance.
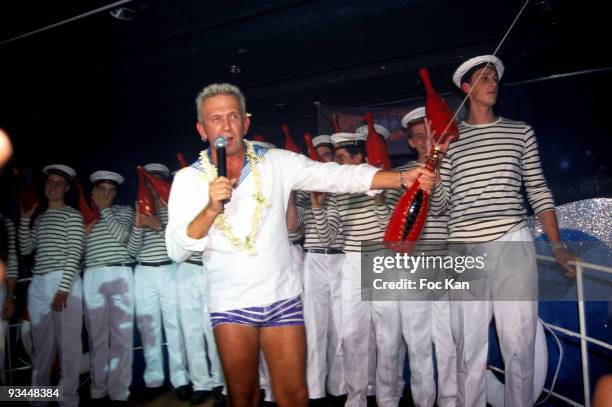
(215, 89)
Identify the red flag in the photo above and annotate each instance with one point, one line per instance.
(335, 123)
(438, 112)
(312, 151)
(144, 198)
(27, 192)
(289, 143)
(376, 147)
(90, 213)
(181, 160)
(159, 185)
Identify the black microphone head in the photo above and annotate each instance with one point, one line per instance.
(220, 142)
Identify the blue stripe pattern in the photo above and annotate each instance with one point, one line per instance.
(280, 313)
(246, 168)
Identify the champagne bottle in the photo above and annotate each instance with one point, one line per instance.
(410, 214)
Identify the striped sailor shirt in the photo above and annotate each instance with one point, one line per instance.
(58, 238)
(483, 175)
(11, 260)
(148, 245)
(321, 225)
(107, 242)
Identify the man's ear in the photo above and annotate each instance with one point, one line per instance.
(411, 143)
(201, 131)
(465, 87)
(247, 124)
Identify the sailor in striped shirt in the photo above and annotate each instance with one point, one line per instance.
(363, 220)
(155, 295)
(8, 260)
(55, 292)
(108, 291)
(322, 286)
(481, 179)
(426, 321)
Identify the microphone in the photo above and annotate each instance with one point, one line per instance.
(220, 146)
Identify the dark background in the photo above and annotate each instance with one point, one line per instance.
(101, 93)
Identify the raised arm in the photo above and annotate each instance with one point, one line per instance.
(326, 216)
(119, 225)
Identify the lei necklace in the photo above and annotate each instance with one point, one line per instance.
(261, 202)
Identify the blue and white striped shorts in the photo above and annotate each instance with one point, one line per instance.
(280, 313)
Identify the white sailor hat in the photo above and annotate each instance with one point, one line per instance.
(264, 144)
(106, 176)
(322, 139)
(382, 130)
(347, 139)
(158, 168)
(412, 116)
(470, 63)
(69, 171)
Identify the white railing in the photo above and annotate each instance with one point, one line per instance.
(582, 335)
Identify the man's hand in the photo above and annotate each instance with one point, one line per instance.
(563, 256)
(317, 199)
(89, 227)
(60, 301)
(426, 178)
(138, 218)
(101, 200)
(152, 222)
(28, 214)
(219, 190)
(8, 309)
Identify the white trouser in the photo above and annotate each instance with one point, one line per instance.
(424, 323)
(372, 361)
(156, 300)
(510, 272)
(297, 257)
(56, 332)
(357, 315)
(109, 317)
(196, 328)
(265, 383)
(322, 318)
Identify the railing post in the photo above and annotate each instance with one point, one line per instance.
(583, 341)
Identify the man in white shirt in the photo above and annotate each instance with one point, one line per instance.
(254, 288)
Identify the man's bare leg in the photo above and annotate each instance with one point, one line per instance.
(284, 348)
(238, 347)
